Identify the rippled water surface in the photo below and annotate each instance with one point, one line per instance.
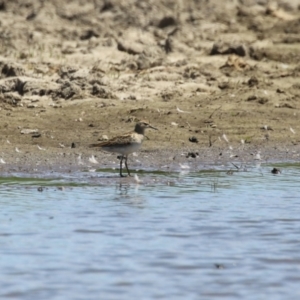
(203, 235)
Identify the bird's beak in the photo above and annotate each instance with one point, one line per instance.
(150, 126)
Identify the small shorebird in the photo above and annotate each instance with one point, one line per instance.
(126, 143)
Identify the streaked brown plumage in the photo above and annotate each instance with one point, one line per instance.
(126, 143)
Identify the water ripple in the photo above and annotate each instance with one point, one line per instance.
(172, 236)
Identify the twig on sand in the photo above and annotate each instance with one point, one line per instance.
(214, 112)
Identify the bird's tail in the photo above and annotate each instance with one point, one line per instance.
(95, 145)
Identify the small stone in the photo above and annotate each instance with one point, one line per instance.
(267, 127)
(228, 48)
(253, 81)
(193, 139)
(192, 154)
(224, 85)
(29, 131)
(275, 171)
(32, 105)
(104, 138)
(251, 98)
(263, 100)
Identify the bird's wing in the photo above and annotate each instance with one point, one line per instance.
(121, 140)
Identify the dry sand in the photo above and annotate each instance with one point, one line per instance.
(222, 73)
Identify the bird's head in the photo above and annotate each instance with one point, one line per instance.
(142, 125)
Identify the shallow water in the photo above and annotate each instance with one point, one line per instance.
(198, 235)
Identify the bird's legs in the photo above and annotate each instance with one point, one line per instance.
(121, 161)
(127, 166)
(121, 165)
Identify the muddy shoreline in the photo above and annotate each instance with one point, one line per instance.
(72, 161)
